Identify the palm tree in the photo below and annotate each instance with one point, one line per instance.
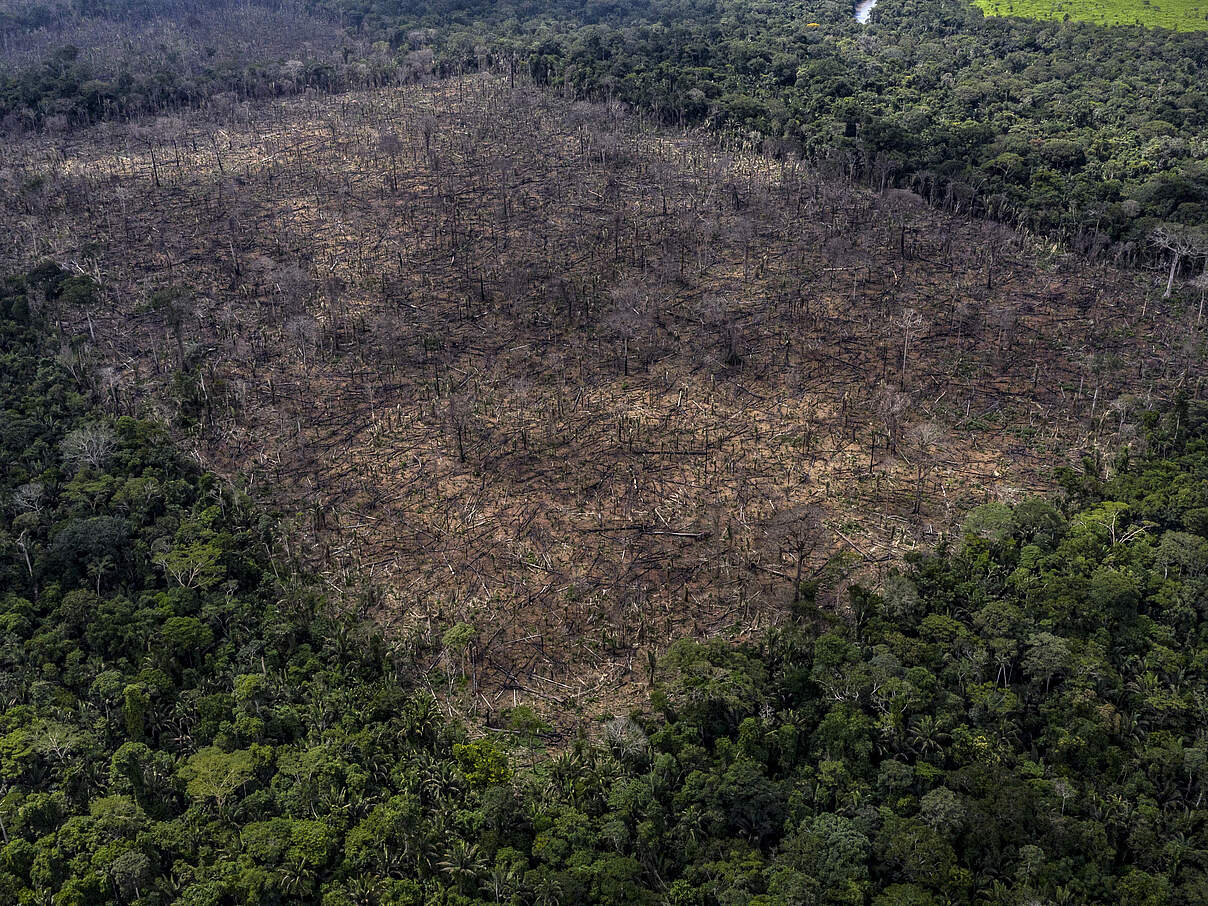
(566, 768)
(998, 894)
(464, 866)
(927, 736)
(440, 780)
(501, 883)
(98, 568)
(296, 878)
(422, 718)
(366, 890)
(547, 893)
(425, 851)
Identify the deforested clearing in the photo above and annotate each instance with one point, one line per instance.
(535, 366)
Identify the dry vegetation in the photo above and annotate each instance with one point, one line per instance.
(586, 386)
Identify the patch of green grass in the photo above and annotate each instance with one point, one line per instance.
(1178, 15)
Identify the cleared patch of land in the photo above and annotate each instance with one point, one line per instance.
(530, 366)
(1177, 15)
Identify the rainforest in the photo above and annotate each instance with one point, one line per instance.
(679, 452)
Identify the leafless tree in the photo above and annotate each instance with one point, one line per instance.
(796, 530)
(627, 318)
(892, 406)
(924, 440)
(1181, 242)
(89, 446)
(913, 323)
(1201, 283)
(389, 143)
(29, 497)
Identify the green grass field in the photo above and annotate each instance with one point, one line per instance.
(1180, 15)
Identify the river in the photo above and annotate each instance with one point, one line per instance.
(864, 10)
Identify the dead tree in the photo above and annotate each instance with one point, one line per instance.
(796, 530)
(1181, 242)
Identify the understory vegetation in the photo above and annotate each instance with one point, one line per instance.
(1015, 717)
